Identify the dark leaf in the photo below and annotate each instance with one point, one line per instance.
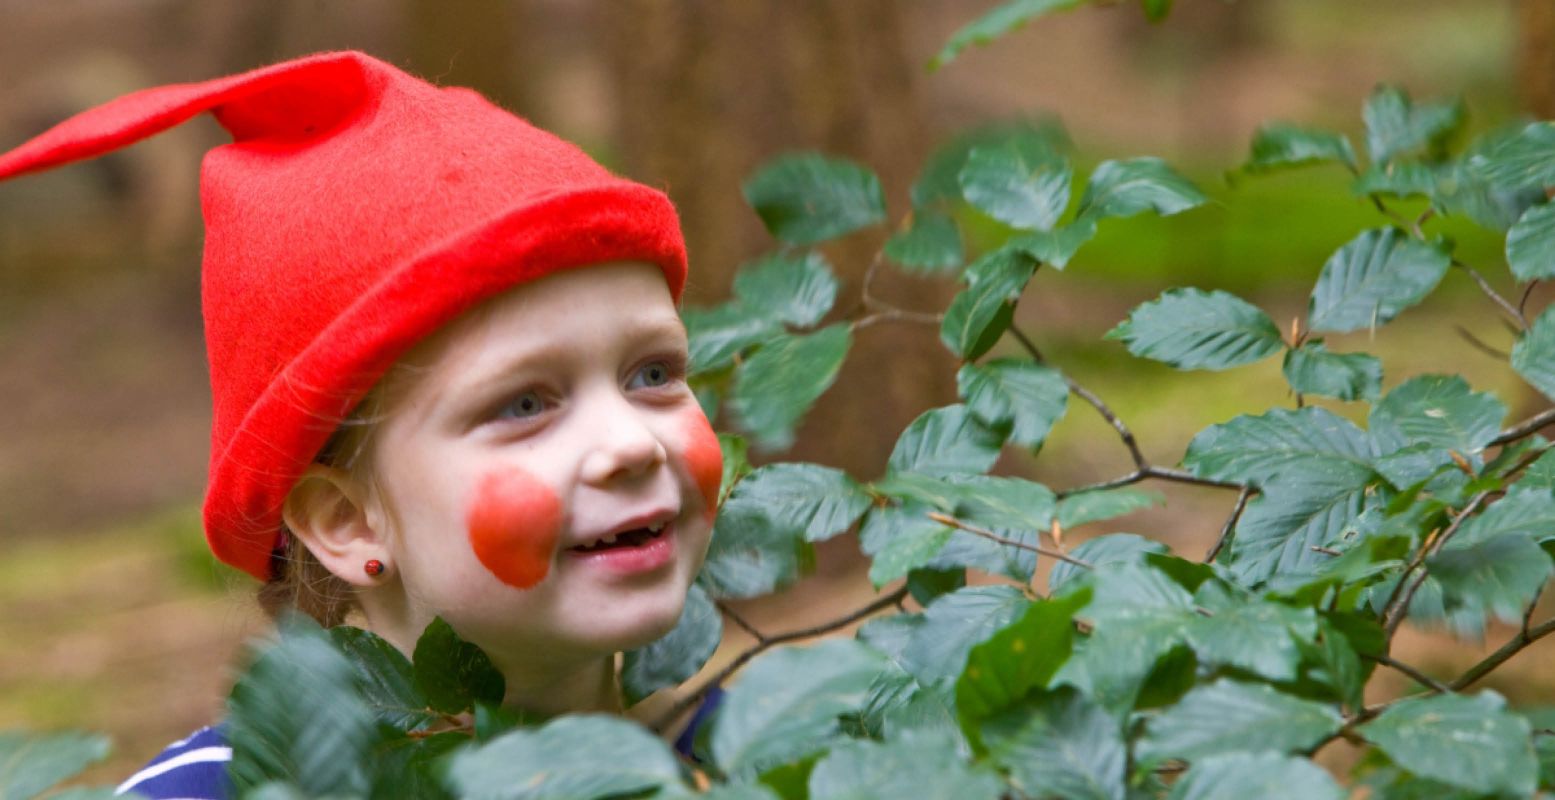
(798, 290)
(385, 677)
(946, 441)
(1257, 636)
(1440, 410)
(936, 651)
(1525, 159)
(750, 554)
(1397, 179)
(735, 463)
(1112, 548)
(562, 761)
(1308, 447)
(1191, 329)
(1396, 126)
(786, 703)
(1126, 188)
(679, 655)
(1278, 145)
(1057, 246)
(1533, 356)
(812, 501)
(1530, 244)
(1004, 18)
(1059, 744)
(899, 539)
(980, 313)
(1023, 192)
(915, 764)
(931, 244)
(1025, 397)
(940, 182)
(1015, 661)
(1102, 504)
(1231, 717)
(775, 387)
(1238, 776)
(1277, 531)
(719, 333)
(1367, 282)
(1469, 742)
(453, 674)
(1312, 369)
(807, 198)
(1498, 576)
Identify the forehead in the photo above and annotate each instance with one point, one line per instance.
(573, 310)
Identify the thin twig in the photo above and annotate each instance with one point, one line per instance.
(1526, 428)
(740, 621)
(1475, 342)
(1513, 646)
(1151, 471)
(687, 702)
(1532, 604)
(1416, 675)
(1522, 303)
(1495, 297)
(1226, 530)
(1398, 603)
(945, 519)
(897, 315)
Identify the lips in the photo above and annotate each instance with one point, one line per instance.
(636, 531)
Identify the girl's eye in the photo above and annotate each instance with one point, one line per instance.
(523, 406)
(654, 373)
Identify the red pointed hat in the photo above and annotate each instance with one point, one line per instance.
(357, 210)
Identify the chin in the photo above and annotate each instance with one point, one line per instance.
(647, 623)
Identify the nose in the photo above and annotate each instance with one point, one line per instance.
(623, 444)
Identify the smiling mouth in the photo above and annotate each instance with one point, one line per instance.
(636, 537)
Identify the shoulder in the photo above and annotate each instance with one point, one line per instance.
(194, 768)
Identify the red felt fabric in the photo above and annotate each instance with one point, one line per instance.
(357, 210)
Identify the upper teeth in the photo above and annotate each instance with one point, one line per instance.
(656, 527)
(609, 538)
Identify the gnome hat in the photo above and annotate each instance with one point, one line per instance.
(357, 210)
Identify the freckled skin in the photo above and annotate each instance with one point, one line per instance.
(704, 458)
(514, 521)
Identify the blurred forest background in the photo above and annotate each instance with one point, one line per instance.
(112, 615)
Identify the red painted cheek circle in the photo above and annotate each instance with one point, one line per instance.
(514, 520)
(704, 458)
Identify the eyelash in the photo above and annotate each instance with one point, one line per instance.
(674, 368)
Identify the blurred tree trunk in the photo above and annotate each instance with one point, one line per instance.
(466, 43)
(705, 91)
(1536, 57)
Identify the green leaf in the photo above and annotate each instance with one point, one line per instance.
(1399, 179)
(1533, 355)
(1307, 447)
(1004, 18)
(1257, 636)
(899, 539)
(1057, 246)
(1126, 188)
(1461, 187)
(1439, 410)
(775, 387)
(1114, 665)
(936, 651)
(750, 554)
(1279, 145)
(411, 766)
(1122, 588)
(814, 502)
(1499, 575)
(1192, 329)
(735, 463)
(1156, 10)
(1373, 278)
(980, 313)
(928, 584)
(32, 763)
(1312, 369)
(1018, 659)
(946, 441)
(1526, 159)
(1527, 510)
(679, 654)
(1469, 742)
(1395, 126)
(1530, 244)
(931, 244)
(1025, 397)
(719, 333)
(916, 764)
(1230, 717)
(1059, 744)
(453, 674)
(807, 198)
(1237, 776)
(1022, 192)
(562, 760)
(1278, 530)
(1112, 548)
(385, 679)
(940, 182)
(295, 714)
(1101, 504)
(786, 703)
(798, 290)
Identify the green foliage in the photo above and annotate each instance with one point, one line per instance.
(1119, 669)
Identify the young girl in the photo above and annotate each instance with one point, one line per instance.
(448, 375)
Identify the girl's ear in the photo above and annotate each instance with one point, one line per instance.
(326, 511)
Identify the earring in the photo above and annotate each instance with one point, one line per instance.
(373, 568)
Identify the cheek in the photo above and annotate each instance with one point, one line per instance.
(514, 520)
(704, 458)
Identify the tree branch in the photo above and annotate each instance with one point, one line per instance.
(1089, 397)
(1414, 674)
(945, 519)
(1526, 428)
(1397, 606)
(1225, 530)
(1515, 645)
(1495, 297)
(689, 701)
(740, 621)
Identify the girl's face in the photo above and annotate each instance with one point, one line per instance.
(547, 479)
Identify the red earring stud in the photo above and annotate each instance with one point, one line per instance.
(373, 568)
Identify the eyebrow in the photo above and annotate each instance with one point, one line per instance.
(479, 391)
